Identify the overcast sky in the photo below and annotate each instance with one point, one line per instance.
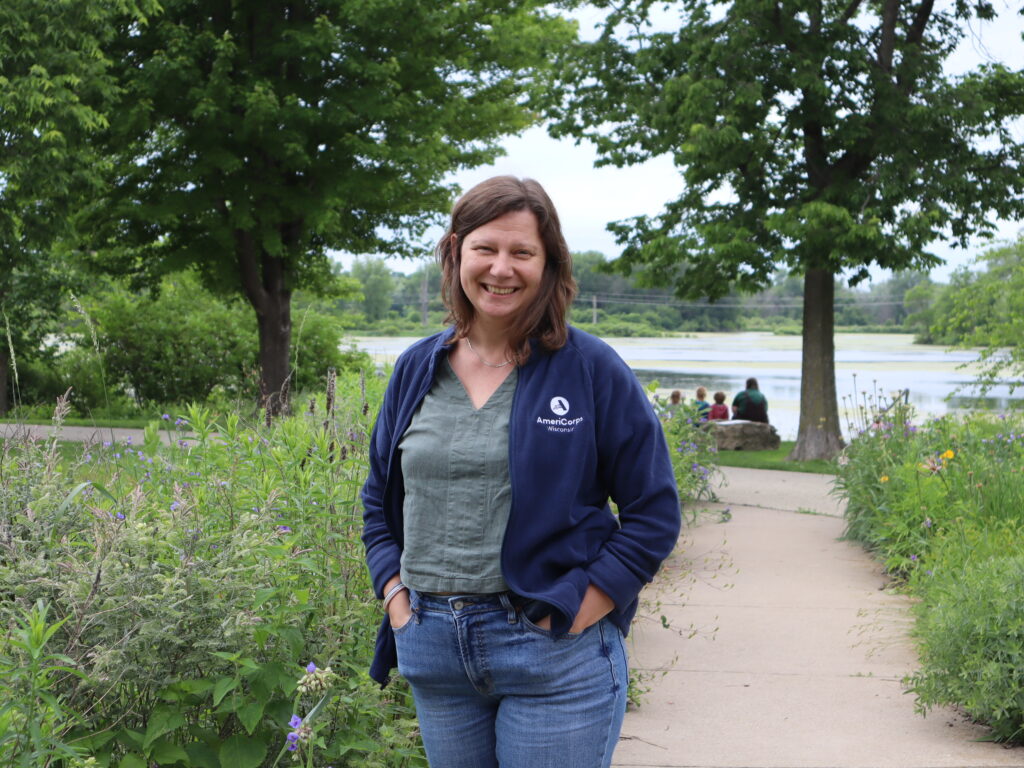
(587, 198)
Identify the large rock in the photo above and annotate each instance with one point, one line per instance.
(740, 435)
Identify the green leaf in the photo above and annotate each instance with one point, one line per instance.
(250, 714)
(166, 752)
(163, 720)
(223, 687)
(202, 755)
(242, 752)
(132, 760)
(262, 595)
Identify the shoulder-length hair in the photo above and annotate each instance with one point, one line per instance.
(544, 319)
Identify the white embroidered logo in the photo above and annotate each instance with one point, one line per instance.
(559, 406)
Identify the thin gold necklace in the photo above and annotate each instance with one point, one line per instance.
(481, 359)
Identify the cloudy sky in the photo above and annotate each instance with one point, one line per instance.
(588, 198)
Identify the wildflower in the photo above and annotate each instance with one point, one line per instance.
(883, 479)
(310, 668)
(120, 515)
(88, 457)
(296, 721)
(183, 443)
(284, 529)
(106, 443)
(927, 522)
(931, 465)
(930, 572)
(166, 417)
(117, 455)
(128, 440)
(913, 558)
(948, 454)
(843, 460)
(175, 505)
(179, 421)
(316, 681)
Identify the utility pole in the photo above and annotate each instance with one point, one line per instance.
(424, 301)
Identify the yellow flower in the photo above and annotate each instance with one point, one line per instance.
(883, 479)
(948, 454)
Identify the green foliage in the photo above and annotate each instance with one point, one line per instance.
(692, 450)
(375, 278)
(55, 88)
(986, 309)
(820, 138)
(942, 506)
(253, 137)
(191, 580)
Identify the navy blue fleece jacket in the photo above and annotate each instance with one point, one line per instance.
(582, 431)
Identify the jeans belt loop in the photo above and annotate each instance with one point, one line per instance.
(506, 603)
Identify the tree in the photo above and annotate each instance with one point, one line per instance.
(55, 85)
(255, 135)
(985, 309)
(378, 287)
(822, 137)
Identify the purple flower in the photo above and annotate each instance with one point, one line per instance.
(106, 443)
(284, 529)
(913, 557)
(117, 455)
(178, 422)
(128, 440)
(183, 443)
(310, 668)
(120, 515)
(296, 721)
(88, 457)
(175, 505)
(166, 417)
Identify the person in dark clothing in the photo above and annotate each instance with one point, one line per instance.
(750, 404)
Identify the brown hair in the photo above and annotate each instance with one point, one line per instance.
(701, 393)
(719, 397)
(545, 318)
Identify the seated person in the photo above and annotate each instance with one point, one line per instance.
(750, 404)
(703, 406)
(719, 411)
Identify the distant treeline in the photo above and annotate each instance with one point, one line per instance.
(612, 304)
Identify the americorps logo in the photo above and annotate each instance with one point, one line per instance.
(560, 407)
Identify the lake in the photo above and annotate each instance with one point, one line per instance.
(866, 363)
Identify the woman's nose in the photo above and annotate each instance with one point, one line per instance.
(501, 266)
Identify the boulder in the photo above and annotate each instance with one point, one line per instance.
(740, 435)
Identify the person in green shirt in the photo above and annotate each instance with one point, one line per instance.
(750, 404)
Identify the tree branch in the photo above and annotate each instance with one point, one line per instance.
(924, 12)
(850, 12)
(887, 43)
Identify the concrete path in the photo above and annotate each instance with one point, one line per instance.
(798, 653)
(79, 434)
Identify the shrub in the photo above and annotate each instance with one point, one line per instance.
(193, 583)
(942, 506)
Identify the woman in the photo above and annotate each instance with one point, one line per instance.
(508, 583)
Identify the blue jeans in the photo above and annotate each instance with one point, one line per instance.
(493, 689)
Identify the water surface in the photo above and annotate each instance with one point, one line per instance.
(866, 365)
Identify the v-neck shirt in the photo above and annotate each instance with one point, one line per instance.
(458, 492)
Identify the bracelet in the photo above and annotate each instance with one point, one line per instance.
(392, 593)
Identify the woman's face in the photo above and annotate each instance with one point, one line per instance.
(502, 266)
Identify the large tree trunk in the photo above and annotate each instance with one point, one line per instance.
(819, 436)
(5, 365)
(275, 326)
(265, 284)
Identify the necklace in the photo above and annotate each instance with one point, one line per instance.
(481, 359)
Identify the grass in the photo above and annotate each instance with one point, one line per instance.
(127, 423)
(773, 460)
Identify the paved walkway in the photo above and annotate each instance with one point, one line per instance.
(798, 653)
(79, 434)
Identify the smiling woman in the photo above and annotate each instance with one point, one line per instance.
(487, 528)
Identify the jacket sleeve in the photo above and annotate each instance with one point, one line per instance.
(383, 553)
(637, 469)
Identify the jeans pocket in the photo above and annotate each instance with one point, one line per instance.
(567, 637)
(414, 607)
